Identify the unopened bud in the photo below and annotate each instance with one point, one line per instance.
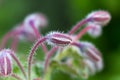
(95, 30)
(100, 17)
(59, 39)
(89, 51)
(37, 19)
(5, 62)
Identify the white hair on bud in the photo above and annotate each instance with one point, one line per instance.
(6, 52)
(49, 35)
(58, 39)
(100, 17)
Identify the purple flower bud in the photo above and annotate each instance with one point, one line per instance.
(37, 19)
(100, 17)
(59, 39)
(89, 51)
(5, 62)
(95, 30)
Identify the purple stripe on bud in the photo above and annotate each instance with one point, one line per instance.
(5, 62)
(59, 39)
(89, 51)
(100, 17)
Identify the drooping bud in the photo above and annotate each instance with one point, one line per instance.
(89, 51)
(37, 19)
(100, 17)
(5, 62)
(59, 39)
(95, 30)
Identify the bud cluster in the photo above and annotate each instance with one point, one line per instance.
(98, 19)
(73, 56)
(92, 56)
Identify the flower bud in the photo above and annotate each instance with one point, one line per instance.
(5, 62)
(59, 39)
(38, 20)
(100, 17)
(89, 51)
(95, 30)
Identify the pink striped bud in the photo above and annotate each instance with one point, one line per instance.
(5, 62)
(59, 39)
(89, 51)
(37, 19)
(100, 17)
(95, 30)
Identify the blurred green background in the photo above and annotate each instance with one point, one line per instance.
(62, 15)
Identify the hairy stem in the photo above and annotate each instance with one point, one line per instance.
(19, 64)
(5, 38)
(14, 43)
(40, 41)
(70, 32)
(82, 32)
(38, 36)
(79, 24)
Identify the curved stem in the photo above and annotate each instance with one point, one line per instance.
(49, 54)
(82, 32)
(19, 64)
(14, 43)
(40, 41)
(79, 24)
(16, 76)
(5, 38)
(38, 36)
